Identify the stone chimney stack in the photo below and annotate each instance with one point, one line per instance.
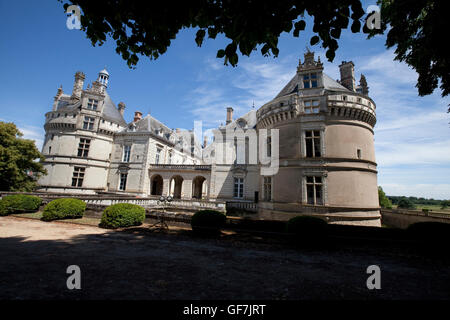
(347, 70)
(121, 108)
(137, 116)
(78, 85)
(56, 99)
(229, 115)
(363, 85)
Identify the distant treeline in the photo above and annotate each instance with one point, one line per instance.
(416, 201)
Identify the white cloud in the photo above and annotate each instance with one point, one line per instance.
(435, 191)
(33, 133)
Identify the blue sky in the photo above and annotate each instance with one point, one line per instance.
(38, 53)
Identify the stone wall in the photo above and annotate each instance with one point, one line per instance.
(403, 218)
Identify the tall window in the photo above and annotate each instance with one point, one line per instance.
(314, 190)
(310, 80)
(238, 187)
(170, 157)
(83, 147)
(88, 123)
(78, 176)
(267, 188)
(158, 155)
(269, 146)
(312, 142)
(311, 106)
(126, 153)
(123, 181)
(92, 104)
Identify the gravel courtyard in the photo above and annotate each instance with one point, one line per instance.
(34, 256)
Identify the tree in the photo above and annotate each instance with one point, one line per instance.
(445, 204)
(19, 169)
(147, 28)
(406, 204)
(415, 28)
(384, 201)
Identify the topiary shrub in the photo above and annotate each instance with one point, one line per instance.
(307, 230)
(207, 222)
(19, 203)
(65, 208)
(122, 215)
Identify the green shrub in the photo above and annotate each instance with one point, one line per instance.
(307, 230)
(207, 222)
(65, 208)
(122, 215)
(19, 203)
(406, 204)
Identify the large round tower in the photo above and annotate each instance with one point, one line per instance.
(326, 148)
(79, 137)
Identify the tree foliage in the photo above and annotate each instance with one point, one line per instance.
(416, 29)
(147, 28)
(384, 201)
(19, 167)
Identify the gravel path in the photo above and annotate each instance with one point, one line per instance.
(34, 256)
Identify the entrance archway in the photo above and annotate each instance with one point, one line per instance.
(176, 184)
(198, 187)
(156, 185)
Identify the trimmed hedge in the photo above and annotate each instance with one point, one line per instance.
(19, 203)
(307, 230)
(207, 222)
(65, 208)
(122, 215)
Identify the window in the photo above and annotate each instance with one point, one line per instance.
(158, 155)
(49, 150)
(78, 176)
(88, 123)
(92, 104)
(267, 188)
(312, 142)
(170, 157)
(344, 98)
(269, 146)
(83, 147)
(123, 181)
(311, 106)
(238, 187)
(358, 153)
(126, 153)
(314, 190)
(310, 80)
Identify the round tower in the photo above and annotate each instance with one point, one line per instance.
(327, 162)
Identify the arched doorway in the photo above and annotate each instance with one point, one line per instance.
(156, 185)
(176, 184)
(198, 187)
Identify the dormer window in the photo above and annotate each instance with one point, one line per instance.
(311, 106)
(310, 80)
(92, 104)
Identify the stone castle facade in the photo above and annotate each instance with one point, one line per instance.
(308, 151)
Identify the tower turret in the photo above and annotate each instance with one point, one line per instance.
(103, 77)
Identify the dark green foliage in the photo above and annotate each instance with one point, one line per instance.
(307, 230)
(445, 204)
(207, 222)
(18, 169)
(65, 208)
(122, 215)
(416, 30)
(406, 204)
(19, 203)
(384, 201)
(147, 28)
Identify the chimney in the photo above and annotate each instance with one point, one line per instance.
(347, 70)
(56, 99)
(363, 85)
(78, 85)
(229, 115)
(137, 116)
(121, 108)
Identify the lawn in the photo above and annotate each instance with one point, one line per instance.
(38, 215)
